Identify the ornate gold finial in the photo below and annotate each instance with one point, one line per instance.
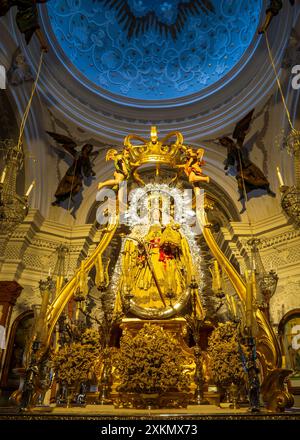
(153, 134)
(155, 151)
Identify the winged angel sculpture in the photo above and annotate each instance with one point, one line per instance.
(249, 177)
(80, 169)
(27, 18)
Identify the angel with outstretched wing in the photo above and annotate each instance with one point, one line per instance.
(81, 167)
(249, 177)
(27, 18)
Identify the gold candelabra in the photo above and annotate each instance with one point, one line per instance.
(13, 207)
(265, 282)
(290, 195)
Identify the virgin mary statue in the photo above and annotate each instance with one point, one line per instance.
(156, 269)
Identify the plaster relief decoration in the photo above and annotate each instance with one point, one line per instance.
(211, 38)
(286, 298)
(19, 71)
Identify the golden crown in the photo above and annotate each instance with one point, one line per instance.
(155, 151)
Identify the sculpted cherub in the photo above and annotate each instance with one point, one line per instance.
(124, 168)
(121, 162)
(193, 165)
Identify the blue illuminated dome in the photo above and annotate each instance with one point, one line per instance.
(151, 49)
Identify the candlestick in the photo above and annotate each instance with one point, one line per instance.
(3, 176)
(77, 312)
(58, 284)
(42, 315)
(229, 303)
(30, 189)
(233, 303)
(82, 278)
(280, 179)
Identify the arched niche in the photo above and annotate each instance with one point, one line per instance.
(19, 335)
(289, 333)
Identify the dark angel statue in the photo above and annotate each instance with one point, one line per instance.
(249, 177)
(80, 170)
(273, 9)
(27, 18)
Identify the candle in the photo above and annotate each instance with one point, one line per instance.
(228, 299)
(217, 275)
(233, 306)
(280, 179)
(3, 176)
(249, 311)
(30, 189)
(83, 280)
(77, 312)
(253, 282)
(241, 312)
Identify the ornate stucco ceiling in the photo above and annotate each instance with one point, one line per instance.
(69, 102)
(197, 109)
(137, 49)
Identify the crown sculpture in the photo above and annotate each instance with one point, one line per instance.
(171, 154)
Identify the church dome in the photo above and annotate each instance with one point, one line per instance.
(151, 50)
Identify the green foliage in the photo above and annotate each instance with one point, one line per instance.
(76, 362)
(225, 360)
(151, 362)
